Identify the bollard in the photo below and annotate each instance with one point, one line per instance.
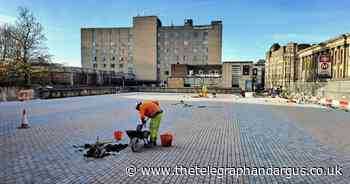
(24, 121)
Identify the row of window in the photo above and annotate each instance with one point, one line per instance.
(176, 50)
(185, 58)
(105, 65)
(104, 59)
(185, 34)
(185, 43)
(113, 52)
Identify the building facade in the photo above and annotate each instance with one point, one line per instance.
(147, 49)
(230, 74)
(259, 74)
(108, 49)
(281, 68)
(339, 52)
(184, 75)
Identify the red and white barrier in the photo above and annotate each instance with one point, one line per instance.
(335, 104)
(326, 102)
(344, 104)
(341, 104)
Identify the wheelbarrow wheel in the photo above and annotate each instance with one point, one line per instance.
(136, 144)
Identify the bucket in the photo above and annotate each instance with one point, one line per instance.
(166, 139)
(118, 135)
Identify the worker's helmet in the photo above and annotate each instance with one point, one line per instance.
(138, 104)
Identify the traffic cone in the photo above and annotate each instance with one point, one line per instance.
(24, 122)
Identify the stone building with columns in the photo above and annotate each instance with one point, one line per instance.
(304, 70)
(338, 50)
(281, 67)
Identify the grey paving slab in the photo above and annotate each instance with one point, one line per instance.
(229, 135)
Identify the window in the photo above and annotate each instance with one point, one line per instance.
(121, 65)
(130, 70)
(112, 65)
(166, 72)
(104, 65)
(95, 58)
(113, 58)
(205, 34)
(216, 72)
(255, 71)
(246, 69)
(94, 65)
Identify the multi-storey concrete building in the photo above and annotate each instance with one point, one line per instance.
(282, 65)
(188, 44)
(108, 49)
(147, 49)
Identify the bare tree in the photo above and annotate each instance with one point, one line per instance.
(29, 38)
(6, 42)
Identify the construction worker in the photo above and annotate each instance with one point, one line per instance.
(151, 109)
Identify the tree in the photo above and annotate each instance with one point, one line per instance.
(6, 42)
(28, 35)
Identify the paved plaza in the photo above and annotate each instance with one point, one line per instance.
(220, 133)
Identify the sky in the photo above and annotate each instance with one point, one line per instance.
(250, 27)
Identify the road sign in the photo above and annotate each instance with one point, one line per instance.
(324, 66)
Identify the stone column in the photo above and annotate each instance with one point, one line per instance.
(71, 79)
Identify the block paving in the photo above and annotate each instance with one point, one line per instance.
(220, 134)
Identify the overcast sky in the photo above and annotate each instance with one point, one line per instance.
(250, 26)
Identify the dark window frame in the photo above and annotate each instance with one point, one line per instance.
(246, 70)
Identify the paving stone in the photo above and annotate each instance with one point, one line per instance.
(231, 135)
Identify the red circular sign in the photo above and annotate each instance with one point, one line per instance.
(324, 66)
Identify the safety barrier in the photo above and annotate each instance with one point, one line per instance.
(344, 104)
(339, 104)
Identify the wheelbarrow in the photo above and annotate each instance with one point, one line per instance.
(138, 138)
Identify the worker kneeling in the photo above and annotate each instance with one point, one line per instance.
(151, 109)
